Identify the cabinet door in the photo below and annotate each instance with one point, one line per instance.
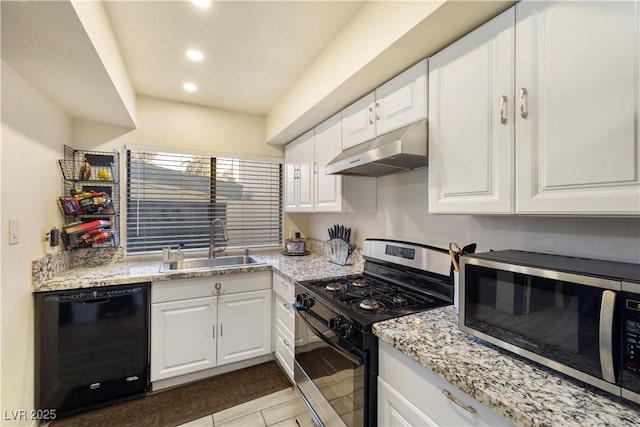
(182, 337)
(305, 172)
(395, 410)
(298, 192)
(244, 326)
(471, 121)
(358, 122)
(290, 177)
(402, 100)
(578, 150)
(328, 144)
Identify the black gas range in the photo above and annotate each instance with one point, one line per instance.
(335, 347)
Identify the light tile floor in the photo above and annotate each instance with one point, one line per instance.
(278, 409)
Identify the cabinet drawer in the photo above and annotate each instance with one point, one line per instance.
(426, 391)
(283, 287)
(174, 290)
(284, 352)
(244, 282)
(285, 316)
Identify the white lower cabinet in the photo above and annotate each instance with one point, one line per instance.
(182, 337)
(410, 394)
(244, 325)
(395, 410)
(202, 323)
(286, 333)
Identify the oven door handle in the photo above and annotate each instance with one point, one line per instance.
(337, 347)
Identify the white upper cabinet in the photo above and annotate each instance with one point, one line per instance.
(471, 123)
(398, 102)
(309, 189)
(299, 176)
(571, 99)
(328, 188)
(402, 100)
(358, 121)
(577, 129)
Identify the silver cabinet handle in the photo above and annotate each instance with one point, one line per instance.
(503, 112)
(218, 286)
(220, 330)
(523, 103)
(315, 168)
(285, 305)
(286, 343)
(214, 331)
(377, 111)
(452, 398)
(371, 114)
(606, 340)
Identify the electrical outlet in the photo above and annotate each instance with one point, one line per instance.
(14, 231)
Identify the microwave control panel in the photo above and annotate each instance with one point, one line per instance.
(630, 341)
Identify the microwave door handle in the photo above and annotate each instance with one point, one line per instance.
(336, 347)
(606, 335)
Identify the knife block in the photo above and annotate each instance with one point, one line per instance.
(339, 251)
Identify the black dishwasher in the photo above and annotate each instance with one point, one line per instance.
(92, 347)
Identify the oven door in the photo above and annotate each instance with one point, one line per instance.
(330, 373)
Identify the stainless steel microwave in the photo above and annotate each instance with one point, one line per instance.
(578, 316)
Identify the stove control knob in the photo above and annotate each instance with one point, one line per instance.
(345, 330)
(335, 323)
(304, 300)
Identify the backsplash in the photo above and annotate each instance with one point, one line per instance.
(47, 267)
(50, 265)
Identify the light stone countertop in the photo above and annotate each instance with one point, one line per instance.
(517, 389)
(308, 267)
(525, 393)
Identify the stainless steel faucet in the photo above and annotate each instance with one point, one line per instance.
(213, 250)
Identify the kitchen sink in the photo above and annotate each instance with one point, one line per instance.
(208, 263)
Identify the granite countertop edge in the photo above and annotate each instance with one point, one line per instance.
(313, 266)
(525, 393)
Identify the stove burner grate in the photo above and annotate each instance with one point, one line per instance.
(334, 286)
(369, 304)
(360, 283)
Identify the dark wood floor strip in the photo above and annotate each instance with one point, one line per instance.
(189, 402)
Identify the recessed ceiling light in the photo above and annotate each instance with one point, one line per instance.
(190, 87)
(195, 55)
(202, 3)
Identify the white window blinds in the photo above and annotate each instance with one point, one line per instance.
(173, 198)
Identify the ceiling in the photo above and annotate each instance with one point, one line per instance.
(253, 50)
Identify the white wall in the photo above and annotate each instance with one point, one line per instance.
(96, 23)
(162, 123)
(33, 133)
(402, 214)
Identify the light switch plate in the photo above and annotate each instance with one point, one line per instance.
(14, 231)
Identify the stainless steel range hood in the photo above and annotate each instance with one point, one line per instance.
(400, 150)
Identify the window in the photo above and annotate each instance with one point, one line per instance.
(173, 198)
